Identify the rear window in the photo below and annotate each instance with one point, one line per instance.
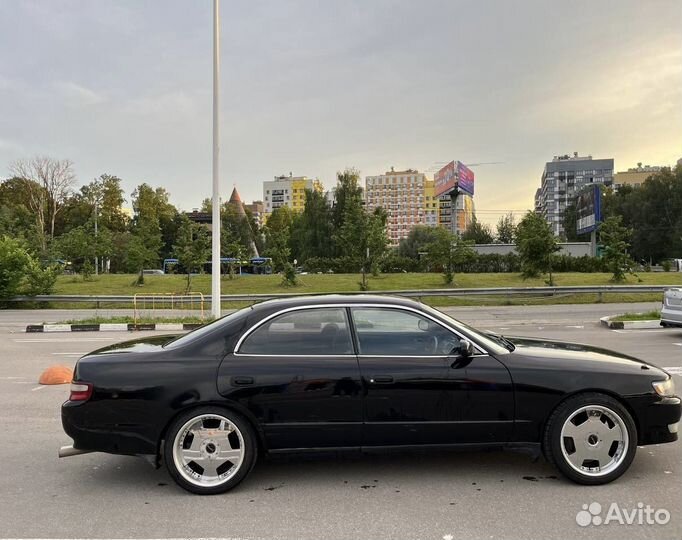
(215, 326)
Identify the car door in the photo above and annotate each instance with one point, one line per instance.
(297, 374)
(419, 389)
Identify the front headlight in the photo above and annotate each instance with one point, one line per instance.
(664, 388)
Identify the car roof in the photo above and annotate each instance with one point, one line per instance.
(325, 299)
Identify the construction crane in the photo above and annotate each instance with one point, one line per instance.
(437, 165)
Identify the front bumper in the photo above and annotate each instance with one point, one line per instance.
(659, 421)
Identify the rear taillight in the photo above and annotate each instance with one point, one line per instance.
(80, 391)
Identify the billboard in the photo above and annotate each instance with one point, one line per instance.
(445, 180)
(588, 210)
(465, 179)
(454, 176)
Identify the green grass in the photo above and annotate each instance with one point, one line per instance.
(653, 315)
(123, 284)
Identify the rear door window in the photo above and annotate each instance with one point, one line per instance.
(319, 332)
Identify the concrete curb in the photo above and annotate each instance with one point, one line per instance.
(629, 325)
(110, 327)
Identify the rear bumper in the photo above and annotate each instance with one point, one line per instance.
(111, 438)
(671, 317)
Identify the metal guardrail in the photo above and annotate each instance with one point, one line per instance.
(413, 293)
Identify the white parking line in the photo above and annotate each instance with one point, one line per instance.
(575, 326)
(37, 388)
(675, 370)
(68, 353)
(650, 331)
(61, 340)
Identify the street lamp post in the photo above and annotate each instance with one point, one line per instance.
(215, 266)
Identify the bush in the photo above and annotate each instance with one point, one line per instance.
(289, 278)
(41, 280)
(21, 273)
(339, 265)
(394, 263)
(667, 265)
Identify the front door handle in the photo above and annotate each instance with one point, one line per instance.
(242, 381)
(381, 379)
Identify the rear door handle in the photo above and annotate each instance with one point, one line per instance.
(381, 379)
(242, 381)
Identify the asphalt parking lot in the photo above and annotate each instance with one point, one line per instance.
(484, 495)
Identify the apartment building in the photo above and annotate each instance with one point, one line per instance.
(402, 194)
(287, 191)
(634, 176)
(563, 178)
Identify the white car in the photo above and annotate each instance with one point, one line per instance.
(671, 312)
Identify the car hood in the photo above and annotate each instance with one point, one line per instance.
(563, 350)
(141, 345)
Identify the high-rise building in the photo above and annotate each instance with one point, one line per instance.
(257, 209)
(288, 191)
(431, 205)
(402, 195)
(634, 176)
(563, 178)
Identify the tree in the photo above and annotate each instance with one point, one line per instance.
(143, 247)
(153, 205)
(193, 248)
(278, 236)
(347, 210)
(506, 229)
(17, 218)
(535, 244)
(50, 186)
(376, 240)
(13, 261)
(614, 238)
(478, 233)
(79, 248)
(653, 212)
(447, 251)
(313, 229)
(21, 273)
(416, 241)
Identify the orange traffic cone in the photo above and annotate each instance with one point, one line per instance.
(56, 375)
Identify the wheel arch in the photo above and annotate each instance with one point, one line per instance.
(226, 405)
(571, 395)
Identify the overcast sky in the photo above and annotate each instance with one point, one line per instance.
(312, 87)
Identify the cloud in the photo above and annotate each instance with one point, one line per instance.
(79, 95)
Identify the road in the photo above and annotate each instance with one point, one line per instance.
(428, 496)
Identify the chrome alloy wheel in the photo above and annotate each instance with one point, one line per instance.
(594, 440)
(208, 450)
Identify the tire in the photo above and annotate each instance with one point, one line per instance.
(209, 450)
(591, 439)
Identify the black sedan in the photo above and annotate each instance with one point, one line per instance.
(361, 372)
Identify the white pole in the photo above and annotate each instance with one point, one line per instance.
(215, 268)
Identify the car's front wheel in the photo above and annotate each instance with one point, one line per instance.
(209, 450)
(591, 438)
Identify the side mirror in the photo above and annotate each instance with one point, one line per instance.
(466, 348)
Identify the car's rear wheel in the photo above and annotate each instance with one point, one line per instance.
(591, 438)
(209, 450)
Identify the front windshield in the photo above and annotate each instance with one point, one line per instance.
(492, 343)
(202, 331)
